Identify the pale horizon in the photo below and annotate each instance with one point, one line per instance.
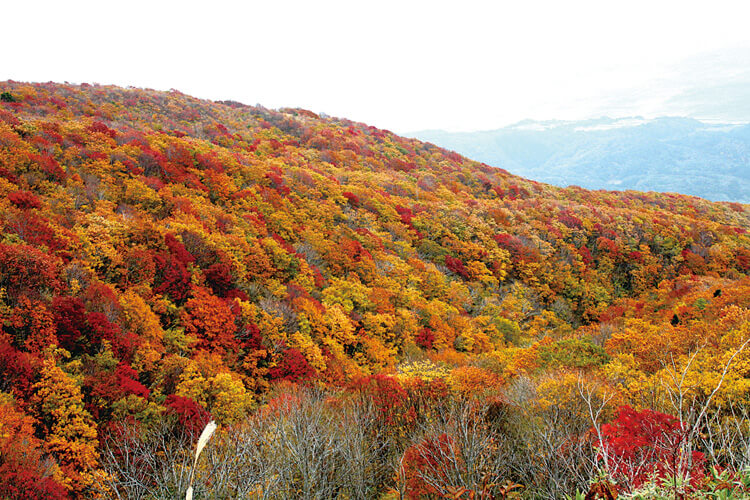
(403, 67)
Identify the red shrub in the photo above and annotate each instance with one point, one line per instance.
(209, 161)
(102, 390)
(101, 297)
(190, 415)
(639, 444)
(38, 232)
(425, 338)
(277, 182)
(607, 245)
(26, 484)
(352, 198)
(125, 345)
(426, 397)
(237, 294)
(353, 250)
(518, 250)
(585, 254)
(102, 129)
(49, 166)
(405, 214)
(429, 463)
(9, 118)
(172, 277)
(457, 266)
(293, 367)
(250, 336)
(127, 379)
(16, 369)
(390, 400)
(570, 220)
(635, 256)
(70, 318)
(24, 199)
(24, 469)
(99, 328)
(219, 278)
(178, 250)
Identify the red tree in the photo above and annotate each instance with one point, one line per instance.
(640, 444)
(293, 367)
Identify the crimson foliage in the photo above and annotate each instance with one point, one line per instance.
(641, 444)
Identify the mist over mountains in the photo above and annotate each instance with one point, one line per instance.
(683, 155)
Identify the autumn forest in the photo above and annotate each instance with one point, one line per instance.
(363, 315)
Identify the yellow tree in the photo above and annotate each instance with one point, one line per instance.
(69, 430)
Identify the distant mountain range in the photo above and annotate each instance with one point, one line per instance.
(683, 155)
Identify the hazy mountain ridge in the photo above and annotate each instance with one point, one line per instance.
(684, 155)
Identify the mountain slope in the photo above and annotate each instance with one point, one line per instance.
(666, 154)
(163, 255)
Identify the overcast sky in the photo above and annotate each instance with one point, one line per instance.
(401, 65)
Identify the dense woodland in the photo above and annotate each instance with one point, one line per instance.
(364, 316)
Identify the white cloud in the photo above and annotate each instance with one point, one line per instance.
(398, 65)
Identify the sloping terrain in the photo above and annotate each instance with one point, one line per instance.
(163, 255)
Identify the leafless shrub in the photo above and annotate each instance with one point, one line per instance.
(726, 437)
(302, 447)
(316, 444)
(150, 462)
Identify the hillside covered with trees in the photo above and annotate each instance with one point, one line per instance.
(364, 315)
